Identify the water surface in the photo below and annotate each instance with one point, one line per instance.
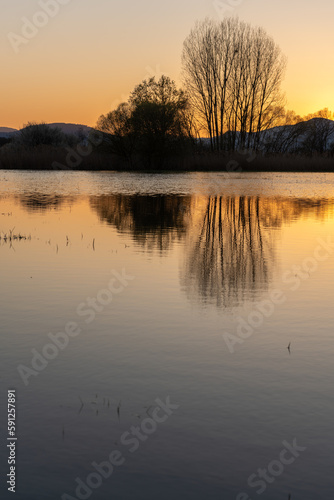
(207, 253)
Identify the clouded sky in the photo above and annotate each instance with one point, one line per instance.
(86, 56)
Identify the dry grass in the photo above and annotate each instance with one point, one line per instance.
(11, 236)
(260, 163)
(43, 158)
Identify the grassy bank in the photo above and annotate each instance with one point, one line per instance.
(53, 159)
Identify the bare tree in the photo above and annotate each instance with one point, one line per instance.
(233, 73)
(309, 134)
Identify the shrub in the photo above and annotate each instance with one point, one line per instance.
(34, 134)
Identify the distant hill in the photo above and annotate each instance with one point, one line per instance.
(67, 128)
(316, 134)
(6, 132)
(72, 128)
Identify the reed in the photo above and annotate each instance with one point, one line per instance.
(43, 158)
(11, 236)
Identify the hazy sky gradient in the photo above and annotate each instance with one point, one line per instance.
(88, 58)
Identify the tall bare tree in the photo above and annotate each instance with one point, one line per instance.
(233, 74)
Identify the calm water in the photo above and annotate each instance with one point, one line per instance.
(206, 253)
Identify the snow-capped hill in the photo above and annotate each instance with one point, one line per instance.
(316, 134)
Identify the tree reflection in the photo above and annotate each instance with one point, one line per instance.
(229, 241)
(42, 202)
(154, 222)
(229, 252)
(230, 248)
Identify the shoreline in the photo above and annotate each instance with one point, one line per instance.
(65, 159)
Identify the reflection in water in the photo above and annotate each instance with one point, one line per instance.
(230, 252)
(42, 202)
(278, 211)
(149, 343)
(154, 222)
(229, 241)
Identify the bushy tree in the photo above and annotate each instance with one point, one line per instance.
(317, 137)
(158, 117)
(151, 125)
(37, 134)
(117, 126)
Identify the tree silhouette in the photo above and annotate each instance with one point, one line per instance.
(233, 73)
(37, 134)
(230, 245)
(120, 136)
(151, 125)
(154, 222)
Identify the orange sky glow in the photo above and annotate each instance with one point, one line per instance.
(87, 56)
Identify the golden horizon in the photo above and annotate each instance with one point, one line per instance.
(75, 63)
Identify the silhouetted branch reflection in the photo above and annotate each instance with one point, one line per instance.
(42, 202)
(154, 222)
(229, 253)
(229, 241)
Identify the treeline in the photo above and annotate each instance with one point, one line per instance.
(232, 75)
(154, 125)
(231, 102)
(231, 107)
(34, 134)
(310, 135)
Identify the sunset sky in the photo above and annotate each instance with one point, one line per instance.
(88, 57)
